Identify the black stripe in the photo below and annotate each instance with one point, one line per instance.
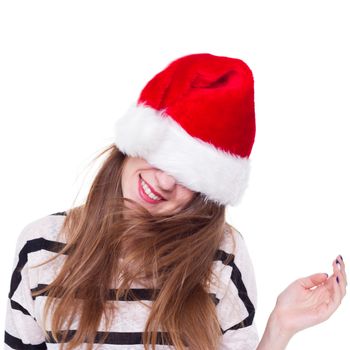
(221, 255)
(117, 338)
(236, 278)
(31, 246)
(135, 294)
(19, 307)
(60, 213)
(16, 343)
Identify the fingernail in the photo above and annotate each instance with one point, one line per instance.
(337, 279)
(338, 264)
(341, 257)
(326, 274)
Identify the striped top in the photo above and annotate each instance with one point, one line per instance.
(233, 288)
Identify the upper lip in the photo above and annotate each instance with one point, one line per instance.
(152, 189)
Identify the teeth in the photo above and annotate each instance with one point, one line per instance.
(148, 191)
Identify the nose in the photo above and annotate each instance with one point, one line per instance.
(166, 181)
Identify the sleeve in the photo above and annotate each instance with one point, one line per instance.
(21, 328)
(236, 309)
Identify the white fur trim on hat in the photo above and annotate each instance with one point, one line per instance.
(200, 166)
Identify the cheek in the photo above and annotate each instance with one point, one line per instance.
(186, 196)
(125, 182)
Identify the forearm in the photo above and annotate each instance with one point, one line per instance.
(274, 337)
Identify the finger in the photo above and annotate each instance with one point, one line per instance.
(329, 284)
(332, 301)
(335, 297)
(313, 280)
(342, 265)
(341, 280)
(339, 287)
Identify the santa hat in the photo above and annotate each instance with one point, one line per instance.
(195, 120)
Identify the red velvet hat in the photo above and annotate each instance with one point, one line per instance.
(195, 120)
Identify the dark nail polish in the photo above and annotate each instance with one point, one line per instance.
(341, 257)
(337, 279)
(337, 261)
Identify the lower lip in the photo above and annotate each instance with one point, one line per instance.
(144, 195)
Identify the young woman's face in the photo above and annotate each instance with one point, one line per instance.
(154, 189)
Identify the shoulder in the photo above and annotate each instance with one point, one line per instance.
(232, 257)
(42, 229)
(37, 240)
(233, 242)
(239, 270)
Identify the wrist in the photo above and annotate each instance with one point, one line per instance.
(275, 337)
(277, 328)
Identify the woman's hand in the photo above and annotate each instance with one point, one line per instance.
(310, 300)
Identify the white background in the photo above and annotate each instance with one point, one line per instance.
(68, 68)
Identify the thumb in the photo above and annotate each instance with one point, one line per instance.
(313, 280)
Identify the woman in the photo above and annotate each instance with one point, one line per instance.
(148, 261)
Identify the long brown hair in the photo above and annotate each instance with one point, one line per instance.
(170, 254)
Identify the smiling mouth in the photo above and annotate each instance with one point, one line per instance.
(145, 195)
